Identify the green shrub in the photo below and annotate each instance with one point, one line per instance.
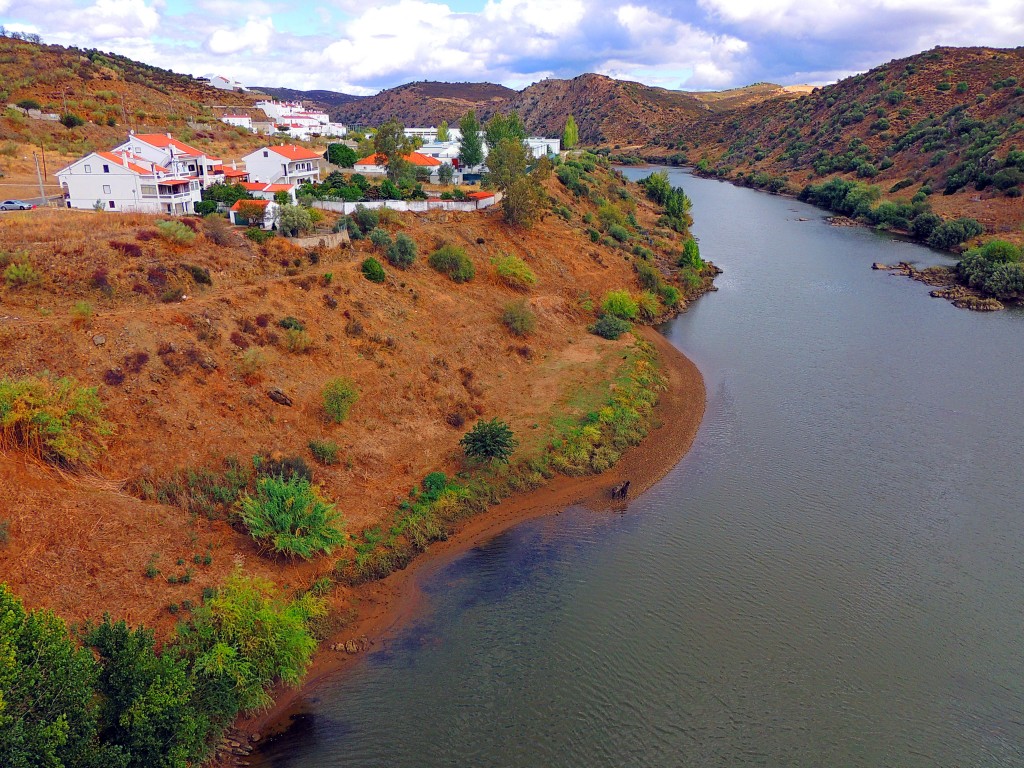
(452, 261)
(648, 306)
(57, 419)
(175, 232)
(29, 104)
(609, 327)
(339, 395)
(290, 323)
(71, 120)
(514, 272)
(21, 274)
(402, 253)
(205, 207)
(365, 218)
(620, 233)
(944, 86)
(489, 440)
(296, 341)
(962, 87)
(669, 295)
(373, 270)
(324, 451)
(258, 235)
(519, 318)
(245, 638)
(620, 304)
(380, 238)
(290, 516)
(690, 256)
(951, 233)
(647, 276)
(201, 275)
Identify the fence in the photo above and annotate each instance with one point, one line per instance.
(415, 206)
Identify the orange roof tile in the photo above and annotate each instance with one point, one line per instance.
(233, 173)
(260, 203)
(293, 152)
(415, 158)
(163, 141)
(279, 187)
(479, 195)
(124, 162)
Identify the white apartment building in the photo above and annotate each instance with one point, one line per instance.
(283, 164)
(120, 181)
(178, 158)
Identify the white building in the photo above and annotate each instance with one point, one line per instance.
(239, 121)
(262, 191)
(429, 135)
(300, 122)
(121, 181)
(178, 158)
(283, 164)
(265, 216)
(541, 146)
(225, 83)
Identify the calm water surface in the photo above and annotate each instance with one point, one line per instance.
(834, 576)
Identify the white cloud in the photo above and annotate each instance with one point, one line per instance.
(548, 17)
(108, 19)
(4, 5)
(253, 36)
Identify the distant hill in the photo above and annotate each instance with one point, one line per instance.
(425, 103)
(327, 100)
(945, 120)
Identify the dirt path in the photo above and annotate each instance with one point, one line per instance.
(383, 606)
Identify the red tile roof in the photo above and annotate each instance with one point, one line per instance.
(479, 195)
(163, 141)
(233, 173)
(415, 158)
(293, 152)
(260, 203)
(124, 162)
(279, 187)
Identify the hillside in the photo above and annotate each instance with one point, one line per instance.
(424, 103)
(944, 121)
(326, 100)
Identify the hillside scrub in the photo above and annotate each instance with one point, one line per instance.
(58, 420)
(339, 395)
(995, 269)
(451, 260)
(291, 517)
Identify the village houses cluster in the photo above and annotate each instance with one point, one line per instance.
(156, 173)
(287, 117)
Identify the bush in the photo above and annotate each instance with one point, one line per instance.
(339, 395)
(609, 327)
(324, 451)
(217, 230)
(380, 238)
(452, 261)
(519, 318)
(489, 440)
(365, 218)
(620, 233)
(690, 256)
(951, 233)
(619, 304)
(205, 207)
(28, 104)
(402, 253)
(293, 220)
(514, 272)
(201, 275)
(297, 341)
(71, 120)
(59, 420)
(258, 235)
(21, 274)
(245, 638)
(175, 232)
(648, 305)
(373, 270)
(290, 516)
(669, 295)
(290, 323)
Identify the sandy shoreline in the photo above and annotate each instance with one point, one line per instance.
(383, 605)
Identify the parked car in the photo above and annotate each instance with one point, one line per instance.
(16, 205)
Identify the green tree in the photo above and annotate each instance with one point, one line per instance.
(504, 126)
(489, 440)
(571, 134)
(445, 174)
(293, 220)
(340, 154)
(392, 143)
(48, 713)
(442, 131)
(147, 709)
(471, 149)
(507, 165)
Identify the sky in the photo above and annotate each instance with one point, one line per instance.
(361, 47)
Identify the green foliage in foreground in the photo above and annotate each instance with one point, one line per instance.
(609, 327)
(489, 441)
(290, 515)
(402, 252)
(59, 420)
(373, 270)
(995, 269)
(619, 304)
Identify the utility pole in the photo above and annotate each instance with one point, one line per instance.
(39, 178)
(42, 149)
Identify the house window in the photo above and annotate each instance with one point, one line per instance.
(111, 203)
(148, 190)
(88, 169)
(265, 153)
(106, 169)
(106, 189)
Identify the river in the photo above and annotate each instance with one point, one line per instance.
(833, 576)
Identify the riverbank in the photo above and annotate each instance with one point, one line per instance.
(384, 605)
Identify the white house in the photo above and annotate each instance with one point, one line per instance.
(225, 83)
(176, 156)
(374, 165)
(266, 221)
(541, 146)
(262, 191)
(300, 122)
(283, 164)
(239, 121)
(119, 181)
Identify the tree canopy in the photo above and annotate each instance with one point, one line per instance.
(391, 142)
(471, 149)
(340, 154)
(571, 134)
(504, 126)
(442, 131)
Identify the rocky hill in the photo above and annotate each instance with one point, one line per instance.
(946, 122)
(326, 100)
(425, 103)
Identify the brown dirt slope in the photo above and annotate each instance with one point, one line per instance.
(186, 382)
(425, 103)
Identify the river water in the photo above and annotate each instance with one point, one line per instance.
(834, 575)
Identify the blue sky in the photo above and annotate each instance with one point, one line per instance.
(362, 47)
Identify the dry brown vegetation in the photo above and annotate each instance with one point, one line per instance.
(186, 382)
